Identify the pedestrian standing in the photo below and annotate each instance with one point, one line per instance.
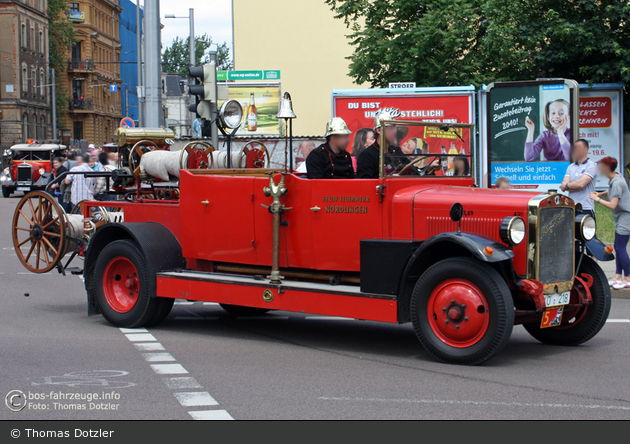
(82, 186)
(579, 179)
(619, 204)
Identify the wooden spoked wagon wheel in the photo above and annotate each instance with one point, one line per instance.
(136, 153)
(255, 156)
(199, 156)
(39, 238)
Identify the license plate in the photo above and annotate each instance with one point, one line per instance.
(552, 317)
(551, 300)
(23, 188)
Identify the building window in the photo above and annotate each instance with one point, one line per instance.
(77, 128)
(74, 7)
(33, 80)
(24, 35)
(24, 78)
(41, 42)
(32, 45)
(41, 83)
(40, 5)
(31, 127)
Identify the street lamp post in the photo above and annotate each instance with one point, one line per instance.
(191, 43)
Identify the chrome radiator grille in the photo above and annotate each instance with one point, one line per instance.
(555, 244)
(24, 173)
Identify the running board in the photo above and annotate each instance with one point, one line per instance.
(304, 297)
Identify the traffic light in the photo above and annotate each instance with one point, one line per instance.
(205, 88)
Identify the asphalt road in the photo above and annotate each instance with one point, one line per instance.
(203, 363)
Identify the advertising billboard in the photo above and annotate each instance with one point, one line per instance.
(260, 103)
(601, 123)
(445, 104)
(529, 130)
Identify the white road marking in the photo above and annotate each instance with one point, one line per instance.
(465, 402)
(618, 320)
(158, 357)
(140, 337)
(195, 399)
(134, 330)
(181, 382)
(210, 303)
(149, 346)
(328, 318)
(262, 318)
(211, 415)
(169, 369)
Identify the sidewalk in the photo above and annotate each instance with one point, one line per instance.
(609, 269)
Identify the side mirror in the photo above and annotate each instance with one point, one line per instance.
(457, 212)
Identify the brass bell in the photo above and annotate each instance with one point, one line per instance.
(286, 110)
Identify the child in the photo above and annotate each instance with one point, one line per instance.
(555, 143)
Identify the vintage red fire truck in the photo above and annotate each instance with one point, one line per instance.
(29, 166)
(461, 263)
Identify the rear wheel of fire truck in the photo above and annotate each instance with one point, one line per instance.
(239, 310)
(583, 324)
(462, 311)
(121, 284)
(6, 191)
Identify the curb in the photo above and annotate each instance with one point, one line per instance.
(620, 294)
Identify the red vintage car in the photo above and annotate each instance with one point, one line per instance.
(29, 166)
(461, 263)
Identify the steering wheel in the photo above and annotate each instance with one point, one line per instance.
(421, 171)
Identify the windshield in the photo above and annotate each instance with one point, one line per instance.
(31, 155)
(426, 149)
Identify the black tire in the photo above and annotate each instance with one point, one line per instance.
(594, 318)
(239, 310)
(500, 311)
(145, 306)
(6, 191)
(163, 310)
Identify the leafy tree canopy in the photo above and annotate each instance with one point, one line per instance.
(176, 58)
(462, 42)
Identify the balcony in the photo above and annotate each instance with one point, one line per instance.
(80, 105)
(81, 65)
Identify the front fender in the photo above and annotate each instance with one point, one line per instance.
(597, 249)
(474, 243)
(44, 179)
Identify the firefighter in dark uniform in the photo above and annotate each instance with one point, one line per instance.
(369, 160)
(331, 160)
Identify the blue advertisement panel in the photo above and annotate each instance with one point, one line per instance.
(531, 128)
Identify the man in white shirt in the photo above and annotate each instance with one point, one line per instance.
(579, 178)
(82, 187)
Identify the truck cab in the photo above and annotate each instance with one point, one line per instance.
(29, 166)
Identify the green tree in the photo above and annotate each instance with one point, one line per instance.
(176, 58)
(461, 42)
(60, 39)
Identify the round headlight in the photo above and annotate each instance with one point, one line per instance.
(513, 230)
(231, 114)
(8, 152)
(41, 171)
(585, 227)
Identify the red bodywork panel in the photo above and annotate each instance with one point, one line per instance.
(36, 164)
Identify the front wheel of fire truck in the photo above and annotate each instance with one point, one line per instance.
(121, 285)
(578, 325)
(462, 311)
(6, 191)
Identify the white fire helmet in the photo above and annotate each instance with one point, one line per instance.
(381, 115)
(337, 126)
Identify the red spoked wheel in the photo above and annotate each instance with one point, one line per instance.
(458, 313)
(121, 284)
(199, 156)
(255, 156)
(462, 311)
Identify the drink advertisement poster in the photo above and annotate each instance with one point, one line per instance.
(260, 103)
(531, 129)
(601, 124)
(358, 108)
